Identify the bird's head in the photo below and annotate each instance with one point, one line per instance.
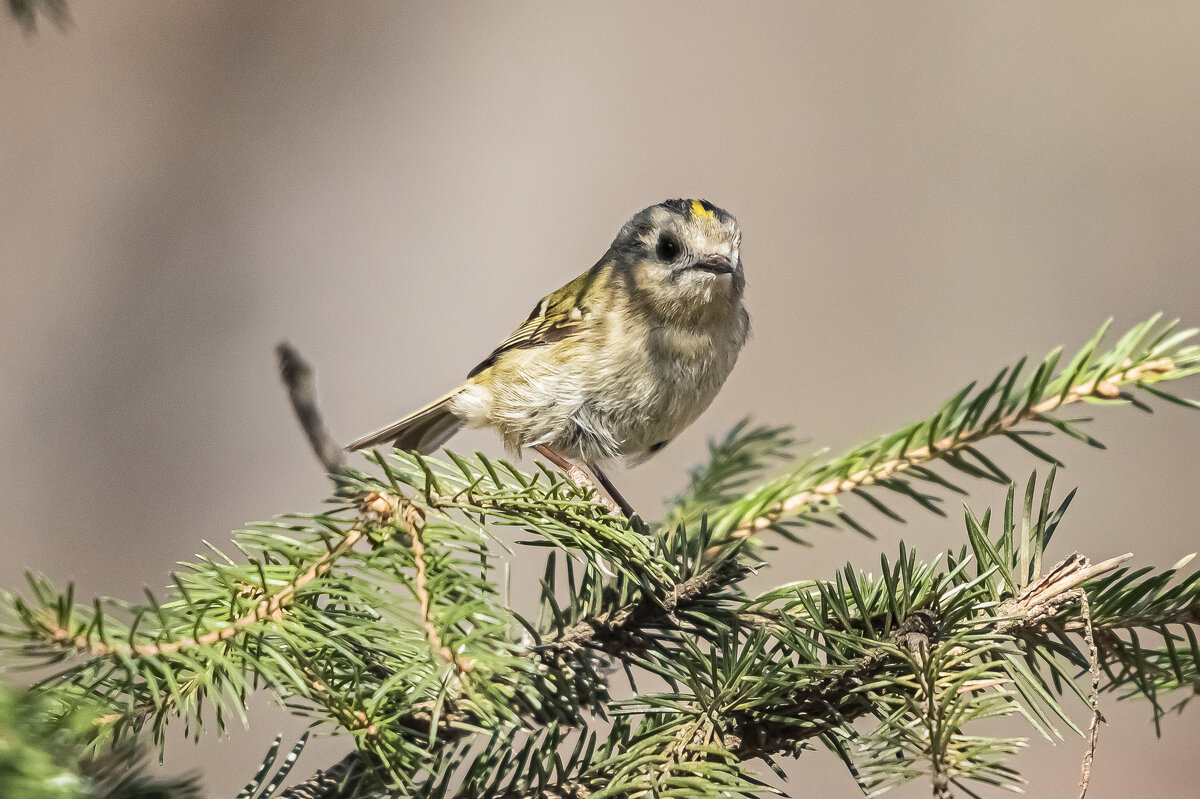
(681, 257)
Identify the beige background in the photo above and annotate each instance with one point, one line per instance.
(927, 191)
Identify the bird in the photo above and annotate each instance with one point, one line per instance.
(615, 364)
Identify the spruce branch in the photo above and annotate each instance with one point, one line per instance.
(1096, 388)
(27, 13)
(1136, 361)
(382, 616)
(1149, 354)
(958, 645)
(961, 659)
(1145, 355)
(1034, 620)
(49, 754)
(268, 609)
(611, 632)
(316, 640)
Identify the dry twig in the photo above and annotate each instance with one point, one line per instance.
(302, 391)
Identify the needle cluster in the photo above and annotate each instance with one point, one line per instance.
(647, 669)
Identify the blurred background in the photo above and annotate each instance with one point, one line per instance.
(927, 191)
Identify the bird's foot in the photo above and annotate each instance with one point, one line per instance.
(608, 496)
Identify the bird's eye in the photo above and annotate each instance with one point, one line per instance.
(668, 248)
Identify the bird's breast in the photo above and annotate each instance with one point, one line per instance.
(615, 392)
(657, 384)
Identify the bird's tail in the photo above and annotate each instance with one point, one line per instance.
(424, 430)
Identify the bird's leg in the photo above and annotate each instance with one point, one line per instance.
(626, 508)
(579, 477)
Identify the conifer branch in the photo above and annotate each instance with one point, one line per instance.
(1103, 388)
(27, 12)
(829, 703)
(268, 609)
(611, 630)
(380, 639)
(833, 700)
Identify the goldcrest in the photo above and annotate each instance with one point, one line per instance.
(617, 362)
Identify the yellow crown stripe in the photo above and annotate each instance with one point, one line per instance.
(698, 209)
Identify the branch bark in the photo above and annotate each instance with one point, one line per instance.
(611, 632)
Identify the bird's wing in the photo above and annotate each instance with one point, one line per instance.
(556, 316)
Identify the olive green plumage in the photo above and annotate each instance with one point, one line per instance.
(618, 361)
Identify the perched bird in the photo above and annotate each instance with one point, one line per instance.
(617, 362)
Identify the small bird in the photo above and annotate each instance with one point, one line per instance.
(616, 363)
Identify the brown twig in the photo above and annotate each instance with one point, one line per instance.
(1085, 612)
(416, 522)
(1107, 389)
(301, 387)
(611, 632)
(1041, 600)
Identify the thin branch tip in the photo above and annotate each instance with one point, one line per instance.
(298, 378)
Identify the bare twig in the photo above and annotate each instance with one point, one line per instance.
(298, 377)
(1041, 600)
(1085, 612)
(302, 391)
(416, 522)
(611, 632)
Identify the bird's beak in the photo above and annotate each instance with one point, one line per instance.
(717, 264)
